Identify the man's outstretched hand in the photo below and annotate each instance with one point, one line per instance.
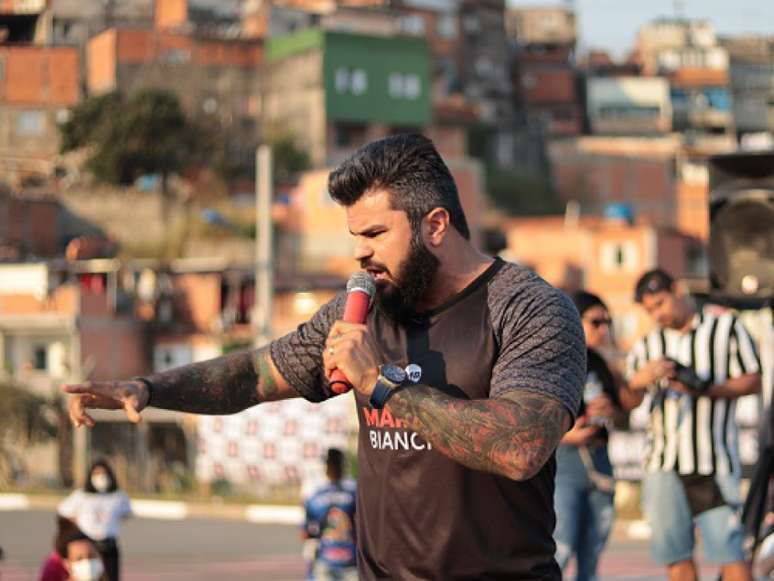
(131, 396)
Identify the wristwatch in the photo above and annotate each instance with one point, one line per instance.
(390, 378)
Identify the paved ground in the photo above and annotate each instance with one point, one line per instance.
(201, 549)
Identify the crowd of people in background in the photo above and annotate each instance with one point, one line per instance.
(689, 371)
(88, 525)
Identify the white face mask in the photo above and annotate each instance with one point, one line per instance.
(100, 482)
(87, 569)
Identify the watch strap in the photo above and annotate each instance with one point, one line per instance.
(381, 393)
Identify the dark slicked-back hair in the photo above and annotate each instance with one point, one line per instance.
(652, 282)
(585, 300)
(410, 168)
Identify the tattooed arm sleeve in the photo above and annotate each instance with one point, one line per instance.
(289, 367)
(513, 435)
(224, 385)
(534, 390)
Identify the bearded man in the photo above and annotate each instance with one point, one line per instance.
(456, 458)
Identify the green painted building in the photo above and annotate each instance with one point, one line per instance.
(349, 83)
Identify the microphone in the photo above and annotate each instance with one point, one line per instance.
(360, 293)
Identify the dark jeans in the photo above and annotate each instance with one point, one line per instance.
(584, 514)
(108, 550)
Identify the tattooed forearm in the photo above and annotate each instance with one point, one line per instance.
(513, 436)
(224, 385)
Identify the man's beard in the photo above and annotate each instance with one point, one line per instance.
(413, 278)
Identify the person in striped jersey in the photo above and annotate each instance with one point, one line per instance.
(692, 368)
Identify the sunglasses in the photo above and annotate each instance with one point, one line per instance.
(597, 323)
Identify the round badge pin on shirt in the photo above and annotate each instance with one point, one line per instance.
(414, 372)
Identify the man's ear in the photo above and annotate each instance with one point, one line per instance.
(436, 226)
(680, 289)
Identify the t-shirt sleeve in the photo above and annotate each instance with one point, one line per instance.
(68, 508)
(542, 350)
(635, 359)
(298, 355)
(125, 506)
(743, 357)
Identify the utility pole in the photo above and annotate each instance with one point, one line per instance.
(264, 264)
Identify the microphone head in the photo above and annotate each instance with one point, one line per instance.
(363, 282)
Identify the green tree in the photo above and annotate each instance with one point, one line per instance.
(520, 193)
(289, 159)
(28, 419)
(146, 132)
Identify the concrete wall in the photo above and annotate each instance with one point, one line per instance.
(628, 105)
(647, 184)
(295, 102)
(541, 25)
(101, 62)
(37, 87)
(30, 226)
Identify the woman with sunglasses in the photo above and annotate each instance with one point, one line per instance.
(583, 497)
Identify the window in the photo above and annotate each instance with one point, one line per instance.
(619, 256)
(31, 123)
(359, 82)
(404, 86)
(446, 26)
(413, 24)
(350, 81)
(172, 355)
(176, 56)
(40, 357)
(471, 24)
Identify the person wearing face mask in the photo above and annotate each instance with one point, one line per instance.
(74, 557)
(98, 510)
(584, 475)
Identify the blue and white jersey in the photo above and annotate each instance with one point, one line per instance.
(330, 517)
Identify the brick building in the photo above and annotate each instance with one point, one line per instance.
(604, 256)
(218, 80)
(542, 44)
(38, 85)
(751, 73)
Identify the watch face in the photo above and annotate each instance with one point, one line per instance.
(393, 373)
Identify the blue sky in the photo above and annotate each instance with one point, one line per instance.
(613, 24)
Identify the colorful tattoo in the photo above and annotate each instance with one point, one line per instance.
(514, 435)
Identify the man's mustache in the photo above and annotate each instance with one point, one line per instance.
(367, 264)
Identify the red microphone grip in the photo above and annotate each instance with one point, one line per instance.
(355, 311)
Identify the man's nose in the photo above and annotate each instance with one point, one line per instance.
(362, 251)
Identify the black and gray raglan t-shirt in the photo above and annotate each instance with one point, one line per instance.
(420, 514)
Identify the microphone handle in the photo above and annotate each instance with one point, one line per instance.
(355, 311)
(339, 382)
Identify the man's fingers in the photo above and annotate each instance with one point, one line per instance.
(77, 388)
(130, 407)
(88, 420)
(78, 415)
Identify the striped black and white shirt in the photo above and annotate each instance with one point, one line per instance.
(695, 435)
